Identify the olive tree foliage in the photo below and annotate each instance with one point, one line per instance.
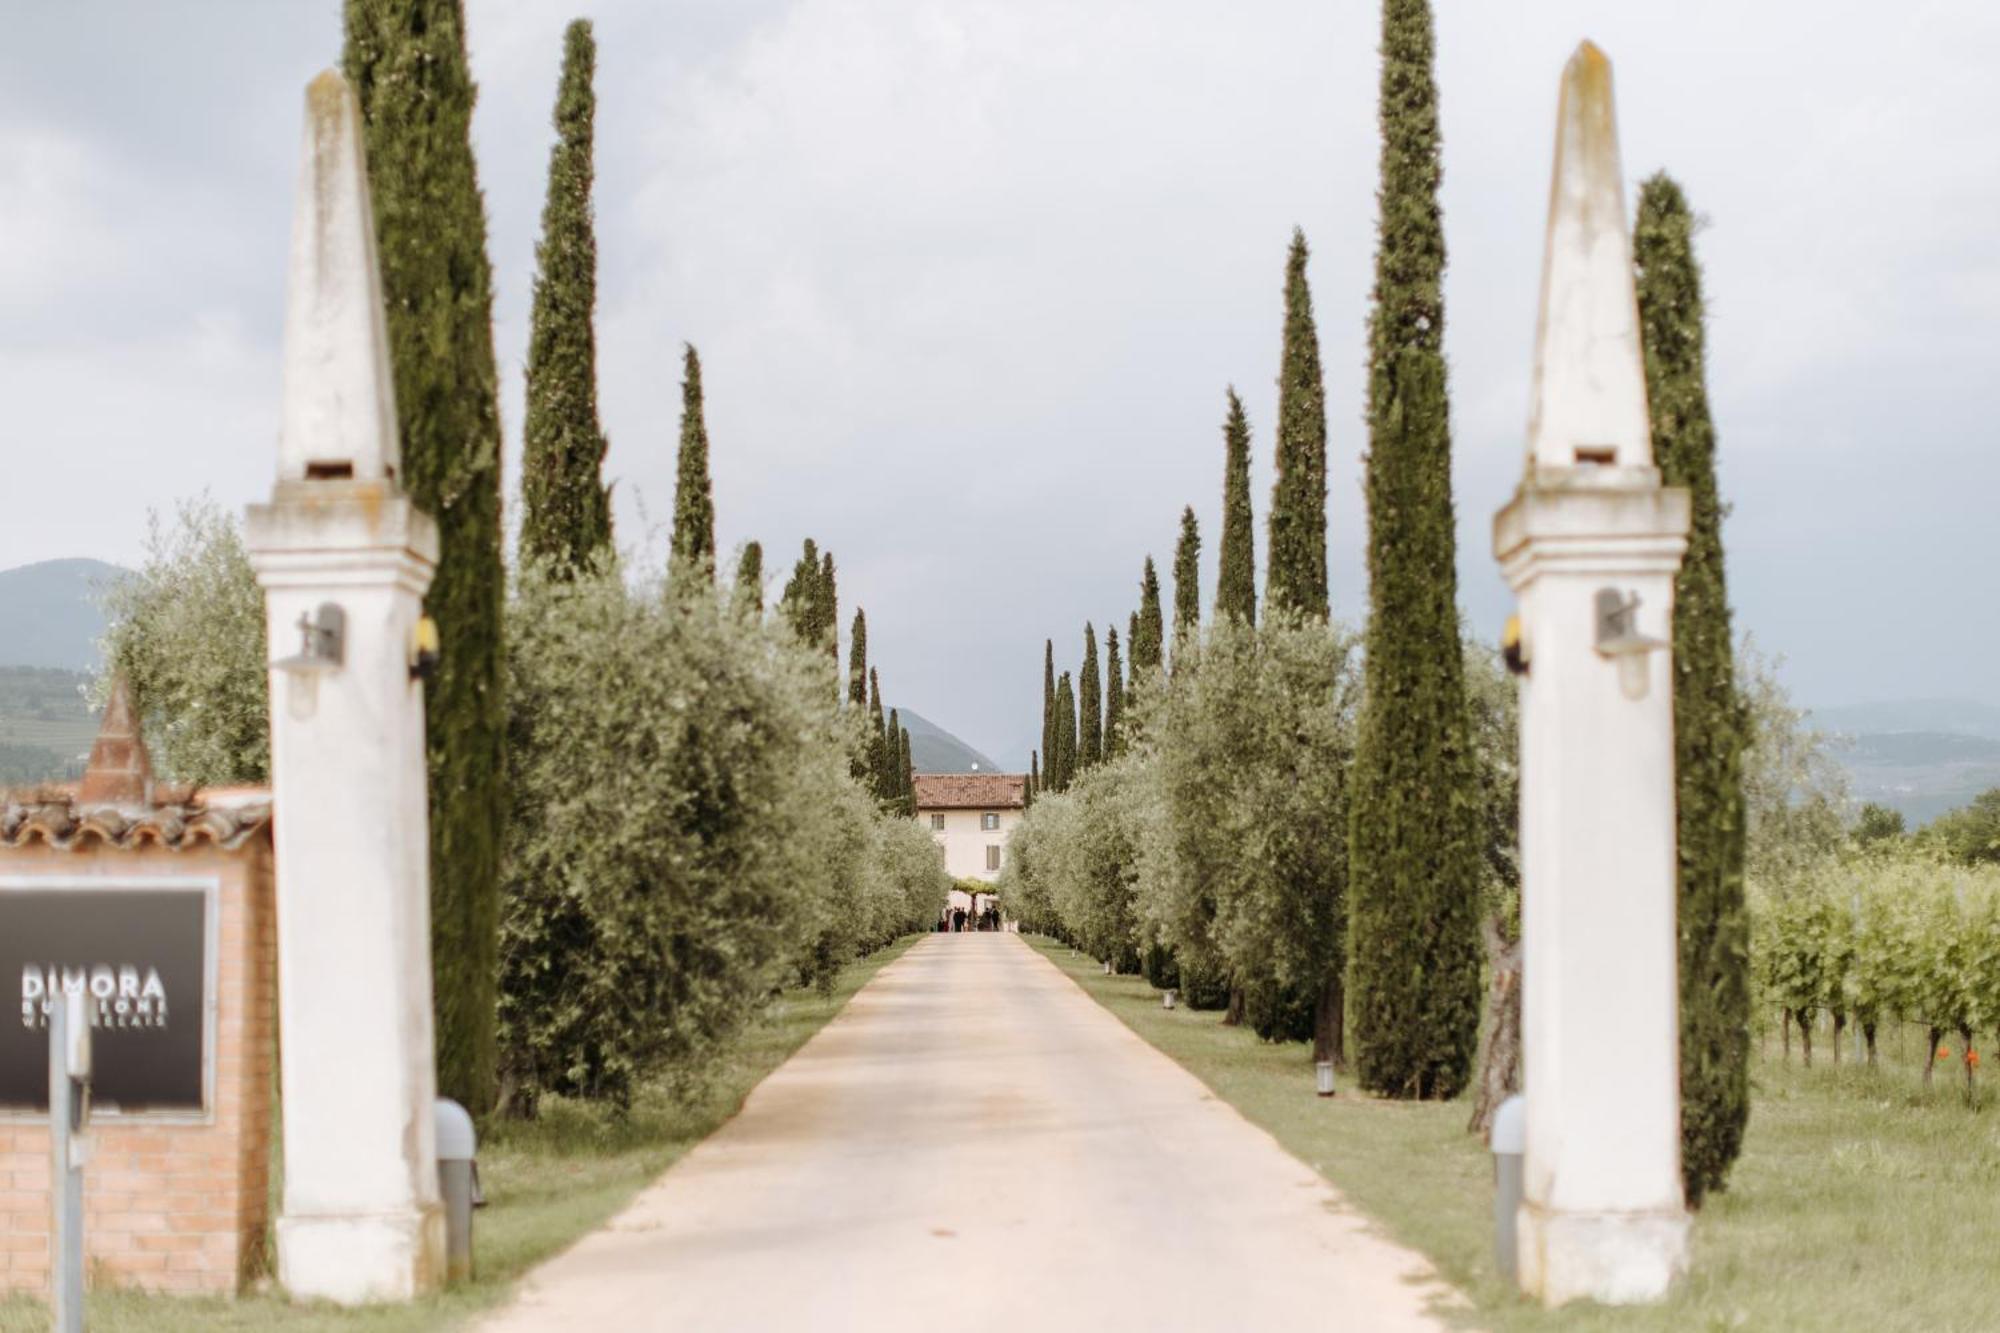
(1795, 792)
(187, 633)
(685, 836)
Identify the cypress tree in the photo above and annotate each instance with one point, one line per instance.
(407, 64)
(828, 616)
(878, 742)
(892, 762)
(1236, 584)
(1049, 699)
(1089, 701)
(908, 774)
(1415, 953)
(693, 552)
(1297, 578)
(565, 510)
(1034, 784)
(857, 660)
(1187, 577)
(1710, 724)
(749, 594)
(1114, 697)
(1065, 752)
(803, 602)
(1149, 634)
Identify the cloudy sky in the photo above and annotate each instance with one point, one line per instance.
(969, 278)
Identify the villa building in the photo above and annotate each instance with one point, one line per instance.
(970, 815)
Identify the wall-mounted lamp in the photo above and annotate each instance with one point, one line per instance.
(1513, 649)
(424, 650)
(322, 642)
(1618, 638)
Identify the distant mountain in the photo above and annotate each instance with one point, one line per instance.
(49, 615)
(935, 750)
(1960, 717)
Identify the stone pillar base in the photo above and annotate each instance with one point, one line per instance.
(358, 1258)
(1612, 1258)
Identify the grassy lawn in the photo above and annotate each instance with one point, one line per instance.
(546, 1183)
(1859, 1203)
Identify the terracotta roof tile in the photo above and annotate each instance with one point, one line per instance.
(970, 791)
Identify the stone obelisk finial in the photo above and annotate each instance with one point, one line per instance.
(120, 772)
(1588, 404)
(339, 403)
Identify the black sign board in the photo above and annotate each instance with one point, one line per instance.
(141, 956)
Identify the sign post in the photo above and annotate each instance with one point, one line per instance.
(69, 1108)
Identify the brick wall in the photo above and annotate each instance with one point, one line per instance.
(168, 1207)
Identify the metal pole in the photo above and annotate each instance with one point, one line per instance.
(65, 1173)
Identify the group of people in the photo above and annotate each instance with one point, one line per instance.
(958, 918)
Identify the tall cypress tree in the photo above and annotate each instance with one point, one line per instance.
(1089, 702)
(908, 774)
(693, 552)
(1034, 787)
(1711, 729)
(1114, 697)
(1049, 700)
(1187, 577)
(1149, 635)
(407, 64)
(1297, 578)
(803, 601)
(565, 510)
(1236, 585)
(878, 739)
(749, 595)
(857, 660)
(1065, 753)
(1413, 842)
(892, 762)
(828, 615)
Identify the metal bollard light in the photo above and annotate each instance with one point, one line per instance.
(458, 1182)
(1323, 1077)
(1509, 1142)
(1167, 999)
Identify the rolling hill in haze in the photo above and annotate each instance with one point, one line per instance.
(49, 615)
(935, 750)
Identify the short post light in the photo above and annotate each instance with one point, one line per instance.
(1323, 1077)
(1509, 1141)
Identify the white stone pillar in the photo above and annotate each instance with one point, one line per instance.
(361, 1219)
(1590, 528)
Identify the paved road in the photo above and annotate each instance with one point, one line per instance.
(975, 1144)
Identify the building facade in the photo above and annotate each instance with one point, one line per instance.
(970, 815)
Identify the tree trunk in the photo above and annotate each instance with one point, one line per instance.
(1785, 1030)
(1970, 1067)
(1930, 1055)
(1839, 1029)
(1499, 1068)
(1805, 1017)
(1329, 1041)
(1233, 1015)
(1868, 1035)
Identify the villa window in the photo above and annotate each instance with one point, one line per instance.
(991, 823)
(937, 823)
(992, 855)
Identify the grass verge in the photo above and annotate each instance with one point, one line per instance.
(547, 1182)
(1860, 1202)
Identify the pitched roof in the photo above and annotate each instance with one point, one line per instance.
(970, 791)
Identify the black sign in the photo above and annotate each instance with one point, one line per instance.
(141, 958)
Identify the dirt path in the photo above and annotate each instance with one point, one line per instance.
(975, 1144)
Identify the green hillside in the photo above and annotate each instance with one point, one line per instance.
(49, 614)
(45, 724)
(935, 750)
